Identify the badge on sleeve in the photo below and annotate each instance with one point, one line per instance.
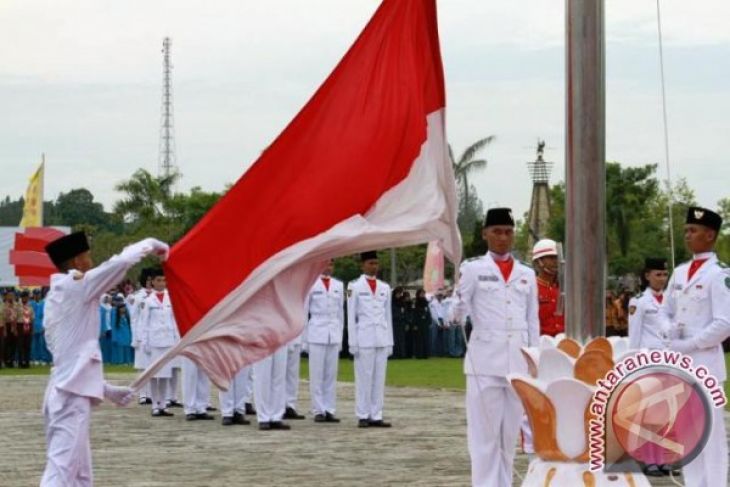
(632, 310)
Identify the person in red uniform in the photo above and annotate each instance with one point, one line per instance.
(545, 259)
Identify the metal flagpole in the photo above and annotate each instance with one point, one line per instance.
(585, 170)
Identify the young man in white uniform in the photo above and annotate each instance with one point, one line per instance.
(325, 308)
(141, 358)
(71, 323)
(697, 303)
(500, 295)
(370, 339)
(159, 329)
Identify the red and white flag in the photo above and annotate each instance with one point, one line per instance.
(363, 166)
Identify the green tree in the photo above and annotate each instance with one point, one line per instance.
(145, 196)
(470, 208)
(76, 208)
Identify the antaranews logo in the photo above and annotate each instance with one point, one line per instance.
(653, 407)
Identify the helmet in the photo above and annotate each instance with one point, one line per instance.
(543, 248)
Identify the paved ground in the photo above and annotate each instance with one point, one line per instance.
(426, 447)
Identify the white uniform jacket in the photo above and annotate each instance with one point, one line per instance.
(700, 311)
(71, 322)
(504, 316)
(369, 315)
(134, 303)
(647, 324)
(157, 322)
(326, 311)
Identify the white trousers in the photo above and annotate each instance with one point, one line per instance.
(527, 444)
(323, 363)
(293, 360)
(67, 417)
(195, 388)
(269, 386)
(370, 365)
(493, 416)
(171, 394)
(709, 468)
(234, 399)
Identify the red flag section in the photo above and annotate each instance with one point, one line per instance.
(32, 266)
(362, 166)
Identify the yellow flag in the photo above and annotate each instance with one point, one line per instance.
(33, 209)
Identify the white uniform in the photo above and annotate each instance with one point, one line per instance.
(293, 361)
(646, 323)
(71, 324)
(504, 317)
(699, 309)
(269, 386)
(370, 338)
(141, 358)
(159, 331)
(235, 398)
(195, 388)
(323, 336)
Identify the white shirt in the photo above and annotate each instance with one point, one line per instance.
(504, 316)
(326, 311)
(71, 321)
(699, 309)
(369, 315)
(157, 323)
(647, 324)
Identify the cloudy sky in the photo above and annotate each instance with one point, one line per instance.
(81, 81)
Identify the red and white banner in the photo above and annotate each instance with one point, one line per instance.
(363, 166)
(23, 258)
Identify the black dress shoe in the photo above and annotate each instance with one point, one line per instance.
(210, 409)
(158, 413)
(363, 423)
(278, 425)
(250, 410)
(653, 471)
(378, 423)
(174, 404)
(147, 400)
(239, 418)
(670, 470)
(191, 417)
(291, 413)
(203, 416)
(320, 418)
(330, 418)
(264, 425)
(227, 421)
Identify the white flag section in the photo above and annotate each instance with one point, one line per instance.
(304, 202)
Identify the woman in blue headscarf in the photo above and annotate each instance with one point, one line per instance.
(121, 333)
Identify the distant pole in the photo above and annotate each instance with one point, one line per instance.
(585, 170)
(393, 272)
(166, 160)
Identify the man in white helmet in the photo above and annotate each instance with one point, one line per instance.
(545, 260)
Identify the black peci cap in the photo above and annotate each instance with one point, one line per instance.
(499, 216)
(705, 217)
(369, 255)
(655, 264)
(67, 247)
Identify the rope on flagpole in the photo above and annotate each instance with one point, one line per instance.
(670, 191)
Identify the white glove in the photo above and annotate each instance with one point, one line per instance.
(305, 347)
(683, 346)
(389, 351)
(121, 396)
(137, 251)
(354, 351)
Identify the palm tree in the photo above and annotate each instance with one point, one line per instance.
(146, 196)
(467, 164)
